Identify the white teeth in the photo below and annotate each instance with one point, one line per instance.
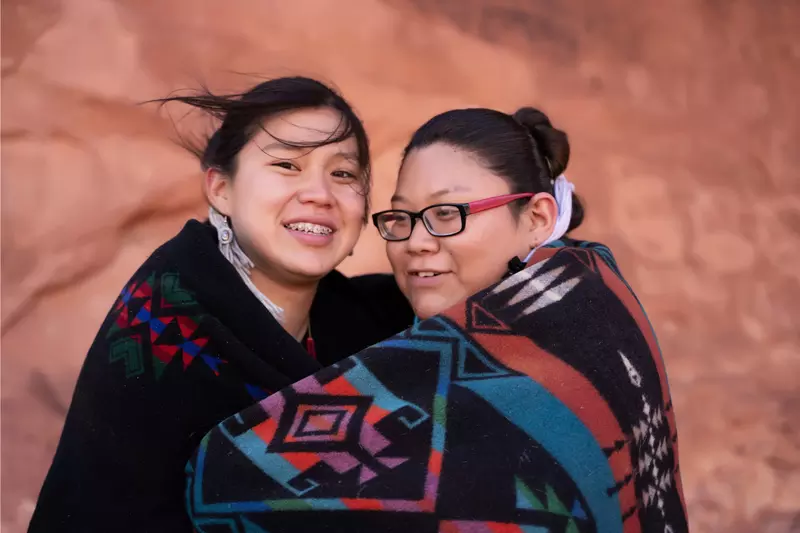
(425, 274)
(308, 227)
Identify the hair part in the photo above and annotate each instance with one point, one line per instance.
(524, 148)
(242, 115)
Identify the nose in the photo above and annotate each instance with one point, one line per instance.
(316, 188)
(421, 241)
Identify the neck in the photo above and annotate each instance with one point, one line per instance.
(295, 300)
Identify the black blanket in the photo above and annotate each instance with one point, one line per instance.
(185, 346)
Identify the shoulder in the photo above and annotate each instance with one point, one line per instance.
(194, 238)
(595, 249)
(157, 299)
(166, 265)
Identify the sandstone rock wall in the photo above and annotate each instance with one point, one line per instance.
(684, 123)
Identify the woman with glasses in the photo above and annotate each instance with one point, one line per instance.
(530, 395)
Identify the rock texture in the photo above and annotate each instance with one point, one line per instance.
(683, 119)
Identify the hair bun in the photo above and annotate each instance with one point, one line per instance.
(551, 143)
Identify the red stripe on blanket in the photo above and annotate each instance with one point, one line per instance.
(627, 298)
(615, 284)
(570, 387)
(354, 504)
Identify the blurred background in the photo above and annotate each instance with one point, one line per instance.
(684, 123)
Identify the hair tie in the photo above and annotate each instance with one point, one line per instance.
(549, 168)
(562, 191)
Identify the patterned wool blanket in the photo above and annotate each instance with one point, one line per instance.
(538, 405)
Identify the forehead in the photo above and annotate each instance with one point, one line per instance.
(312, 126)
(429, 171)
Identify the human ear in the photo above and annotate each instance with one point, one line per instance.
(539, 217)
(218, 190)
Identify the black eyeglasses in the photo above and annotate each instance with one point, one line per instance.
(441, 220)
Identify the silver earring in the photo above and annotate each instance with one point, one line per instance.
(225, 232)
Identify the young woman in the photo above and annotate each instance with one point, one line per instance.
(226, 312)
(525, 399)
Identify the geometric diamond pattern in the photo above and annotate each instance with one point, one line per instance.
(337, 431)
(170, 333)
(322, 423)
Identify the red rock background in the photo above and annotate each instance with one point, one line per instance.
(684, 121)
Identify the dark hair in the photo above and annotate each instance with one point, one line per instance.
(242, 115)
(524, 148)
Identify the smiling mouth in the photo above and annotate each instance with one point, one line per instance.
(309, 228)
(424, 274)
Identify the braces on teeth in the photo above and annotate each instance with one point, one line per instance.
(307, 227)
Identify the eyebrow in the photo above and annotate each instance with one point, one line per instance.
(277, 144)
(350, 156)
(437, 194)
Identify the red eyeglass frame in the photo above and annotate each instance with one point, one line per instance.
(465, 209)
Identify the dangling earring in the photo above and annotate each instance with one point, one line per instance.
(231, 251)
(222, 225)
(225, 232)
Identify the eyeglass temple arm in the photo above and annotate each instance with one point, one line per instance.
(496, 201)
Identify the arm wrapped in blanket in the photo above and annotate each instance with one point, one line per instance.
(539, 404)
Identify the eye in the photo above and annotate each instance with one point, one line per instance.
(446, 212)
(343, 174)
(288, 165)
(396, 219)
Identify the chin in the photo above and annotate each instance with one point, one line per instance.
(426, 310)
(313, 264)
(310, 272)
(422, 315)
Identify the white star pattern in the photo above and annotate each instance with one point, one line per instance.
(650, 436)
(536, 288)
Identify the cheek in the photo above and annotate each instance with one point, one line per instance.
(352, 204)
(396, 255)
(481, 256)
(352, 208)
(479, 271)
(468, 251)
(261, 196)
